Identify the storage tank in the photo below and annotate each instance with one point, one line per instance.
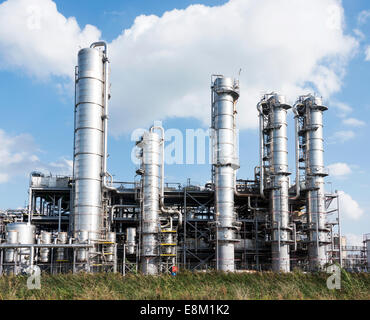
(45, 238)
(225, 93)
(61, 239)
(26, 234)
(11, 238)
(130, 240)
(82, 253)
(109, 252)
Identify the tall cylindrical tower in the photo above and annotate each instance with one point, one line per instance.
(150, 144)
(310, 110)
(225, 93)
(89, 143)
(273, 129)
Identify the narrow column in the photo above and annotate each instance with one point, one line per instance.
(225, 93)
(273, 127)
(150, 166)
(310, 109)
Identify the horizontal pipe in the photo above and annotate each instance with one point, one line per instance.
(171, 212)
(246, 195)
(49, 245)
(119, 206)
(100, 44)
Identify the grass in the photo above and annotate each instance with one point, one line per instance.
(186, 286)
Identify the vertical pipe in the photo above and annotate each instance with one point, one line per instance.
(367, 244)
(74, 261)
(115, 258)
(261, 149)
(297, 169)
(225, 94)
(1, 261)
(124, 260)
(185, 222)
(339, 235)
(30, 190)
(59, 213)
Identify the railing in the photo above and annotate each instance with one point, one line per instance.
(352, 248)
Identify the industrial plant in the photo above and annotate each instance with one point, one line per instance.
(275, 220)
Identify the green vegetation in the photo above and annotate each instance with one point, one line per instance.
(187, 285)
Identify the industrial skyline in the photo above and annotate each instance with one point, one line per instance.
(155, 79)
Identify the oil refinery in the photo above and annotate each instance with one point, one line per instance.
(276, 220)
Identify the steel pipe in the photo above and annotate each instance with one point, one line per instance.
(44, 245)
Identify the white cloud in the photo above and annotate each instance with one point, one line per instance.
(367, 53)
(343, 109)
(339, 169)
(169, 59)
(161, 66)
(18, 158)
(354, 122)
(360, 35)
(36, 38)
(349, 208)
(342, 136)
(354, 239)
(3, 177)
(363, 16)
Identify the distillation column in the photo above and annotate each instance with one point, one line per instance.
(89, 145)
(273, 130)
(310, 109)
(225, 93)
(150, 166)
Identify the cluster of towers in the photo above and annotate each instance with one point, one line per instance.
(160, 217)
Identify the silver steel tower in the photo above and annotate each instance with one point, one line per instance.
(274, 174)
(90, 132)
(309, 110)
(225, 93)
(150, 144)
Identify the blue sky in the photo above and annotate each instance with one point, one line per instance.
(161, 71)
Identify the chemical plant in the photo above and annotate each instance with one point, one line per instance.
(277, 220)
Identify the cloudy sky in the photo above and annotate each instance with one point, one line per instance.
(162, 55)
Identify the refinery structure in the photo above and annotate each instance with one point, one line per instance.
(277, 220)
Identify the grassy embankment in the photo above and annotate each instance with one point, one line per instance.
(198, 286)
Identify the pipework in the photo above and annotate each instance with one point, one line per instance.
(163, 209)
